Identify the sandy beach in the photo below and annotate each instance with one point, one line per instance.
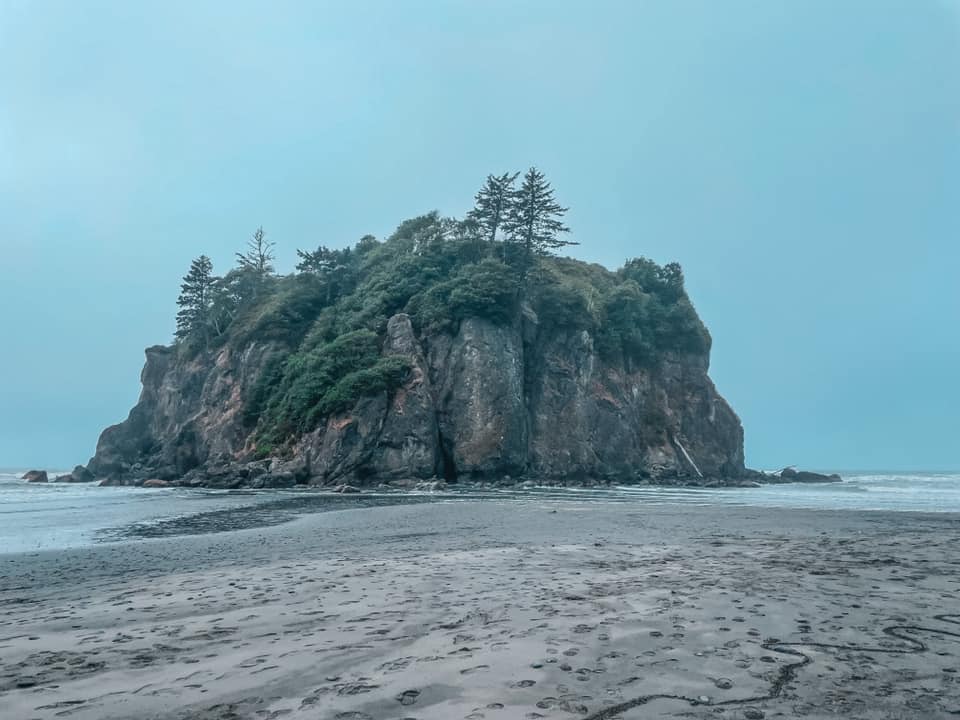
(496, 610)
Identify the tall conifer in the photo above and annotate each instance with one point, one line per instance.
(493, 204)
(534, 219)
(195, 300)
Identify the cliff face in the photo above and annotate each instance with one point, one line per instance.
(483, 401)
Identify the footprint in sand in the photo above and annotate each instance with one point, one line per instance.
(523, 683)
(408, 697)
(476, 668)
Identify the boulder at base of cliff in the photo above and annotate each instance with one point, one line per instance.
(803, 476)
(155, 483)
(78, 475)
(38, 476)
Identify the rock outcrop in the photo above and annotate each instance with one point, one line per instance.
(791, 475)
(189, 418)
(484, 402)
(35, 476)
(79, 474)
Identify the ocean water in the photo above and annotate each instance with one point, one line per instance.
(36, 516)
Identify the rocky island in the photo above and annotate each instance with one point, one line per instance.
(454, 350)
(441, 352)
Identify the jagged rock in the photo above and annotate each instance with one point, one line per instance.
(155, 483)
(408, 444)
(190, 412)
(35, 476)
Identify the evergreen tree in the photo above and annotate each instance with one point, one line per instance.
(319, 261)
(492, 204)
(259, 257)
(195, 300)
(534, 220)
(227, 296)
(329, 265)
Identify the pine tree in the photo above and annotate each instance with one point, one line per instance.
(259, 256)
(492, 204)
(319, 261)
(195, 300)
(533, 221)
(329, 265)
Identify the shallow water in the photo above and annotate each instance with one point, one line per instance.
(51, 516)
(904, 491)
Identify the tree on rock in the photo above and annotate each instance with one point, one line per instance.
(195, 300)
(259, 257)
(534, 221)
(331, 266)
(319, 261)
(493, 204)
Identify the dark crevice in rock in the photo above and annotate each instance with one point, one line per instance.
(447, 465)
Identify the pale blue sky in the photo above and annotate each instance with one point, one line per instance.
(800, 158)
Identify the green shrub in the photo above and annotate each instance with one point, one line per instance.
(563, 305)
(487, 289)
(332, 377)
(386, 374)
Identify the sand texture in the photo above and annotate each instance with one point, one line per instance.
(496, 610)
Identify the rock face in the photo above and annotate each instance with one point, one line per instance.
(189, 417)
(482, 402)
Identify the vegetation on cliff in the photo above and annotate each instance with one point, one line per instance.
(329, 317)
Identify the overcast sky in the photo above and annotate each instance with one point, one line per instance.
(800, 159)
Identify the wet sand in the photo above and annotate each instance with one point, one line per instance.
(496, 610)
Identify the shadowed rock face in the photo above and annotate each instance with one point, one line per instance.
(486, 401)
